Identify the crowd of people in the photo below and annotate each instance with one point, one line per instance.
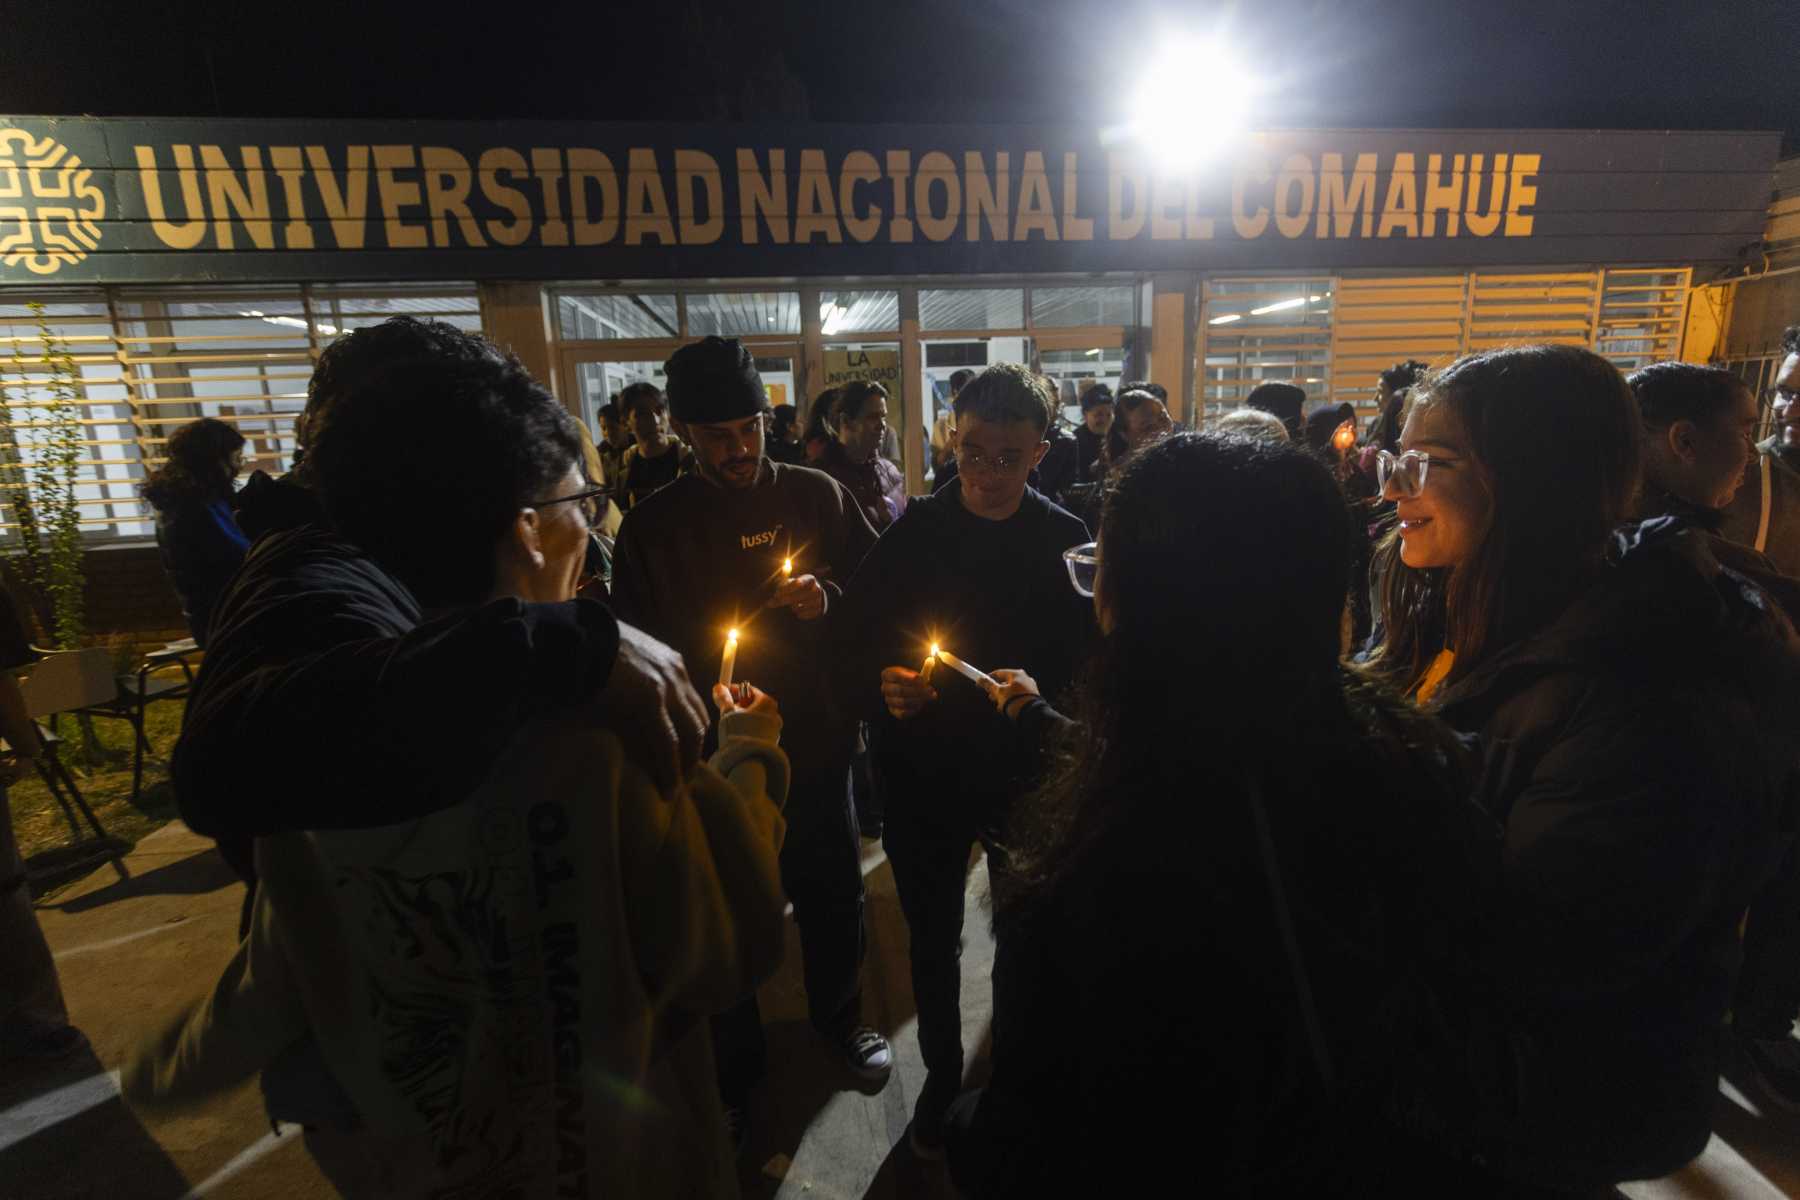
(1366, 811)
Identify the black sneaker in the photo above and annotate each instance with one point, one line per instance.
(866, 1053)
(926, 1133)
(1775, 1063)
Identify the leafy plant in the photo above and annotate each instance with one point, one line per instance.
(41, 499)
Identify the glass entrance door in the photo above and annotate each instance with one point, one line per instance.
(590, 377)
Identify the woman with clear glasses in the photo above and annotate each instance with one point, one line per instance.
(1243, 860)
(1624, 692)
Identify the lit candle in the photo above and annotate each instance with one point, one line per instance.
(787, 568)
(979, 678)
(729, 662)
(1345, 437)
(930, 661)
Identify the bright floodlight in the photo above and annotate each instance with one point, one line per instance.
(1194, 101)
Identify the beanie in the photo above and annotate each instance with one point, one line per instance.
(713, 380)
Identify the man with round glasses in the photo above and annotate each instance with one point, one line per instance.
(1766, 511)
(977, 568)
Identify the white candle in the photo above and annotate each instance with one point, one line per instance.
(729, 662)
(979, 678)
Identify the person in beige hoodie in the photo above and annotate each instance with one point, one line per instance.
(507, 997)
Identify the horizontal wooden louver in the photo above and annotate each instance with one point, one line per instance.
(1262, 331)
(1507, 310)
(1380, 322)
(149, 361)
(1642, 313)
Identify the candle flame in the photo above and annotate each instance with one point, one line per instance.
(787, 566)
(731, 636)
(934, 649)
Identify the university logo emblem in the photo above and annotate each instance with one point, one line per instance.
(50, 208)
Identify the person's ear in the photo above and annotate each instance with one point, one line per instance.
(1684, 441)
(1043, 448)
(524, 538)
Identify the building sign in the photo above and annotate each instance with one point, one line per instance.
(119, 200)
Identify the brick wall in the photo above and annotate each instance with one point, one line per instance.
(127, 592)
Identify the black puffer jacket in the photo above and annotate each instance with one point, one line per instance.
(1640, 755)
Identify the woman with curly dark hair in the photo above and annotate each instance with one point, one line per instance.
(1217, 905)
(191, 494)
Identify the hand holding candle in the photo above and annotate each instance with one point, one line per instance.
(728, 664)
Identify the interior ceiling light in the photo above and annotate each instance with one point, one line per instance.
(1296, 302)
(1227, 319)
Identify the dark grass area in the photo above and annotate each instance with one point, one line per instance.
(39, 820)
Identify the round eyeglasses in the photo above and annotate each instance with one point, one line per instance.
(1083, 562)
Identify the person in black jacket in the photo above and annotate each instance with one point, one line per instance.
(763, 548)
(191, 494)
(331, 699)
(977, 568)
(1637, 707)
(1699, 440)
(1316, 924)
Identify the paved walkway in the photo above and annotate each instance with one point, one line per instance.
(133, 952)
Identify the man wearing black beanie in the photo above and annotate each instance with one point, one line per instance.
(764, 548)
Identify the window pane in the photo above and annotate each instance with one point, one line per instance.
(1081, 306)
(743, 314)
(971, 308)
(339, 310)
(859, 312)
(1262, 331)
(615, 315)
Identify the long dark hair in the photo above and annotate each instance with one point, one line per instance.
(1556, 438)
(1117, 448)
(198, 467)
(821, 421)
(1245, 611)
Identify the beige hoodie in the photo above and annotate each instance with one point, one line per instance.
(512, 992)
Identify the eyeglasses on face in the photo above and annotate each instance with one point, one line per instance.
(1083, 562)
(999, 464)
(592, 502)
(1406, 472)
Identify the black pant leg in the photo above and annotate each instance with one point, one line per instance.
(740, 1050)
(1768, 991)
(821, 871)
(928, 847)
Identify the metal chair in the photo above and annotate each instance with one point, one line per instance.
(67, 681)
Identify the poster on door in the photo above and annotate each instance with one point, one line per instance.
(877, 366)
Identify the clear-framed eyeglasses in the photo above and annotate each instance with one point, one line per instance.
(1083, 562)
(1405, 471)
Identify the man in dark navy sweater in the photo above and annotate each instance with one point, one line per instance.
(978, 569)
(764, 548)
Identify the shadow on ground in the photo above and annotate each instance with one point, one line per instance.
(55, 1163)
(195, 875)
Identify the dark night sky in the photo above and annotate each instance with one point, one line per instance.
(1693, 64)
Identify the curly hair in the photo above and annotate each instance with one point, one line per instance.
(1790, 340)
(348, 362)
(198, 467)
(425, 465)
